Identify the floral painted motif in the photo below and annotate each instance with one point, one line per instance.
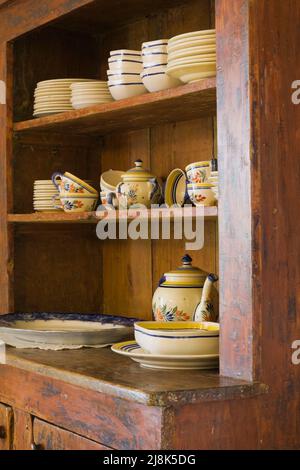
(208, 313)
(198, 176)
(132, 194)
(72, 188)
(69, 205)
(199, 198)
(165, 313)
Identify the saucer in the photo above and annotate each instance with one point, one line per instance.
(161, 361)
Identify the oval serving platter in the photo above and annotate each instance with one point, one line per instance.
(57, 331)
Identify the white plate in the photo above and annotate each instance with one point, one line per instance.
(192, 51)
(188, 44)
(159, 361)
(60, 334)
(62, 80)
(205, 33)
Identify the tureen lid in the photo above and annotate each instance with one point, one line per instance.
(137, 173)
(186, 275)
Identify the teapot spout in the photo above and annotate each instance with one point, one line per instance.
(205, 310)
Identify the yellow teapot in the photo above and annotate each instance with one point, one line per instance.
(138, 187)
(184, 295)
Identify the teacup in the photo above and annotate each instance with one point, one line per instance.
(71, 184)
(201, 194)
(198, 172)
(75, 202)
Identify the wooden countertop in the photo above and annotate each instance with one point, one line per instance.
(106, 372)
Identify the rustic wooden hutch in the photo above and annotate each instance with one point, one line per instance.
(93, 399)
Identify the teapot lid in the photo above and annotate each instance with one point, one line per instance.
(137, 173)
(186, 275)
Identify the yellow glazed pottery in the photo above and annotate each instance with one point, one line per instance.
(68, 183)
(184, 294)
(201, 194)
(198, 172)
(74, 202)
(178, 337)
(139, 187)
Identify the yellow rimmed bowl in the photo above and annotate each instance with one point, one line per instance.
(183, 338)
(74, 202)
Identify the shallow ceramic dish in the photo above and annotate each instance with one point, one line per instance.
(192, 34)
(175, 188)
(62, 330)
(193, 72)
(157, 81)
(121, 92)
(183, 338)
(160, 361)
(187, 44)
(192, 51)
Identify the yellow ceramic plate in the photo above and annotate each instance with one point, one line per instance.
(161, 361)
(175, 189)
(207, 32)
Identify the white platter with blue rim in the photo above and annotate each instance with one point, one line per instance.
(161, 361)
(51, 331)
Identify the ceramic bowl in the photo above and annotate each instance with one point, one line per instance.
(123, 91)
(153, 44)
(71, 202)
(201, 194)
(154, 58)
(68, 183)
(155, 80)
(123, 66)
(186, 338)
(190, 73)
(175, 188)
(198, 172)
(118, 79)
(110, 179)
(125, 53)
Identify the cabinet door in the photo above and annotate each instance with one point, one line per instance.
(6, 426)
(50, 437)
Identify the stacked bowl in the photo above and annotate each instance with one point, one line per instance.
(90, 93)
(124, 80)
(53, 96)
(44, 192)
(192, 56)
(155, 57)
(75, 194)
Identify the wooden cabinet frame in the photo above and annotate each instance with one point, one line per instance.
(259, 209)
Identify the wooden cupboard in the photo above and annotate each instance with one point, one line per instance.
(50, 263)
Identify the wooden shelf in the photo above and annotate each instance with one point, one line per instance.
(93, 217)
(176, 104)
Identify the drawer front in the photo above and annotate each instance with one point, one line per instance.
(6, 427)
(50, 437)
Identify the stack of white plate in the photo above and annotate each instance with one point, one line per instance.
(89, 93)
(192, 56)
(53, 96)
(43, 193)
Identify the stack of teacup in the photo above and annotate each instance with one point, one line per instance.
(124, 80)
(155, 59)
(199, 188)
(75, 194)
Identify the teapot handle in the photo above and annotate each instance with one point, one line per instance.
(155, 187)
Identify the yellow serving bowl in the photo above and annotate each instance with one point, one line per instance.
(178, 338)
